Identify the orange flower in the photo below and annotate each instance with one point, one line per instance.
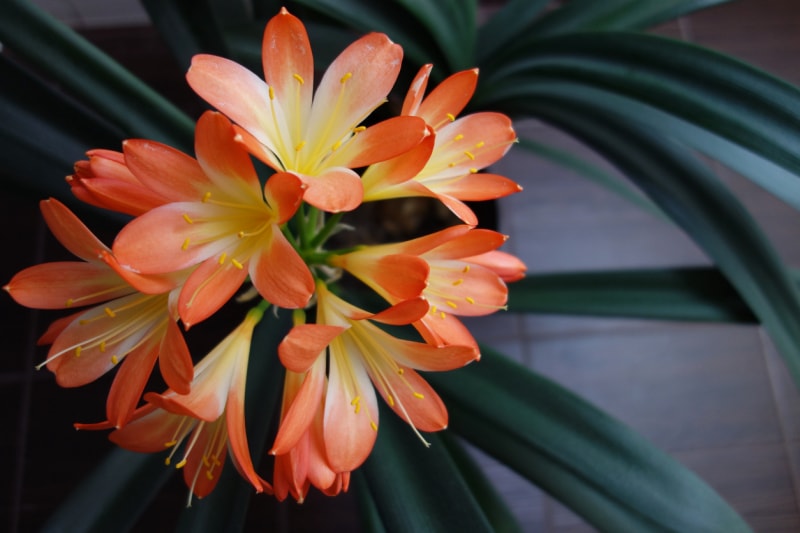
(224, 225)
(316, 136)
(300, 457)
(446, 165)
(129, 327)
(358, 352)
(211, 415)
(465, 277)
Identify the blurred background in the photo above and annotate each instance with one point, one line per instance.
(740, 431)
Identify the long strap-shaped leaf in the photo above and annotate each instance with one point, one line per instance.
(700, 294)
(734, 101)
(415, 488)
(696, 200)
(597, 466)
(92, 76)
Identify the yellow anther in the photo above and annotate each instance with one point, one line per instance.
(458, 282)
(83, 322)
(206, 197)
(299, 78)
(359, 129)
(390, 399)
(240, 234)
(299, 146)
(181, 464)
(222, 258)
(167, 461)
(433, 309)
(451, 304)
(187, 219)
(441, 315)
(473, 170)
(103, 346)
(466, 269)
(271, 93)
(336, 145)
(401, 371)
(480, 144)
(78, 351)
(209, 475)
(237, 264)
(374, 426)
(114, 359)
(470, 300)
(458, 137)
(451, 117)
(69, 302)
(356, 402)
(451, 165)
(185, 244)
(419, 395)
(469, 154)
(346, 77)
(109, 312)
(170, 444)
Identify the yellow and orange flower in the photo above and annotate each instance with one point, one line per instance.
(359, 355)
(446, 165)
(129, 327)
(317, 136)
(209, 419)
(225, 225)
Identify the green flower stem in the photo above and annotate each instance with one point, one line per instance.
(326, 231)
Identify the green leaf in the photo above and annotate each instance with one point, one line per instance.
(695, 199)
(113, 496)
(506, 26)
(700, 294)
(733, 101)
(597, 466)
(594, 173)
(492, 504)
(225, 508)
(90, 75)
(415, 488)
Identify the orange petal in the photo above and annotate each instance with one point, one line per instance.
(386, 174)
(175, 361)
(459, 209)
(472, 142)
(301, 411)
(288, 62)
(508, 267)
(416, 91)
(225, 161)
(446, 329)
(479, 187)
(473, 242)
(61, 285)
(430, 358)
(355, 83)
(350, 428)
(70, 231)
(284, 194)
(415, 401)
(165, 170)
(149, 432)
(304, 344)
(402, 277)
(449, 98)
(385, 140)
(280, 274)
(195, 472)
(237, 434)
(207, 289)
(402, 313)
(335, 190)
(126, 390)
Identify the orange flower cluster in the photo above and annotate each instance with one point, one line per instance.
(205, 226)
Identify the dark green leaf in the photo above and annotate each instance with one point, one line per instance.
(696, 200)
(415, 488)
(506, 26)
(451, 23)
(594, 464)
(91, 76)
(701, 294)
(113, 496)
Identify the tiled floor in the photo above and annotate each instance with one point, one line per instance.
(717, 397)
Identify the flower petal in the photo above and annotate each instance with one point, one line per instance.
(335, 190)
(384, 140)
(479, 187)
(175, 361)
(207, 289)
(284, 194)
(280, 274)
(449, 98)
(165, 170)
(70, 231)
(304, 344)
(126, 390)
(440, 329)
(415, 401)
(422, 356)
(417, 91)
(302, 407)
(509, 267)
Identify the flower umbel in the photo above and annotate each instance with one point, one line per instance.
(205, 228)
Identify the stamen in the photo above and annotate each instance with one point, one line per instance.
(451, 304)
(466, 269)
(187, 219)
(78, 350)
(451, 117)
(419, 395)
(271, 93)
(356, 403)
(222, 258)
(237, 264)
(359, 129)
(185, 244)
(458, 137)
(69, 303)
(473, 170)
(480, 144)
(299, 146)
(346, 77)
(109, 312)
(114, 359)
(470, 299)
(102, 346)
(469, 154)
(390, 399)
(206, 197)
(458, 282)
(374, 426)
(299, 78)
